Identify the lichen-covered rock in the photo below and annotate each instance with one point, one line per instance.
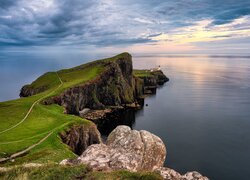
(193, 176)
(126, 149)
(170, 174)
(131, 150)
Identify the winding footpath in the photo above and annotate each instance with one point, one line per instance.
(26, 116)
(28, 113)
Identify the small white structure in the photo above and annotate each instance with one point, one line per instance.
(155, 69)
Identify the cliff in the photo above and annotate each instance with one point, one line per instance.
(79, 137)
(115, 85)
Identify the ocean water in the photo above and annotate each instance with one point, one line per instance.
(202, 114)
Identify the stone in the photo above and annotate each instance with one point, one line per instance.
(126, 149)
(193, 176)
(170, 174)
(84, 111)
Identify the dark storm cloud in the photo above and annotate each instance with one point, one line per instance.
(107, 23)
(4, 4)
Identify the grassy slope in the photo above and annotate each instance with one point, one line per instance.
(52, 171)
(142, 73)
(145, 73)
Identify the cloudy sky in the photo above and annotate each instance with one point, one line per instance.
(154, 26)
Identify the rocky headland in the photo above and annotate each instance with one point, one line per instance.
(118, 87)
(115, 89)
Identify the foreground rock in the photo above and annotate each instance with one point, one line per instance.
(170, 174)
(131, 150)
(126, 149)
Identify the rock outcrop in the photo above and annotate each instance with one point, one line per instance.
(27, 91)
(131, 150)
(151, 82)
(125, 149)
(79, 137)
(157, 77)
(170, 174)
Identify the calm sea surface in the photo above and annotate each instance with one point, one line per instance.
(202, 114)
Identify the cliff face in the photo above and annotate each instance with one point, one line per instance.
(28, 91)
(114, 87)
(79, 137)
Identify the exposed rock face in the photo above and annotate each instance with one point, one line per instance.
(151, 82)
(170, 174)
(79, 137)
(126, 149)
(28, 91)
(108, 119)
(116, 86)
(157, 78)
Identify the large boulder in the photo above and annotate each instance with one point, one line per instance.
(131, 150)
(126, 149)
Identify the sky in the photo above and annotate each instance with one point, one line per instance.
(141, 26)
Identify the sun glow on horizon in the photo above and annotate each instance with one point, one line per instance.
(202, 31)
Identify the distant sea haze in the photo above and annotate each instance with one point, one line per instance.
(202, 114)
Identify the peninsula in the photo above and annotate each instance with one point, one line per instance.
(58, 118)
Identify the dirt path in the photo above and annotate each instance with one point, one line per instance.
(42, 140)
(28, 113)
(25, 150)
(25, 139)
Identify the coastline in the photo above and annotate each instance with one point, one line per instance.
(94, 104)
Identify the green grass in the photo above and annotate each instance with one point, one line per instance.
(74, 76)
(47, 81)
(51, 171)
(122, 174)
(142, 73)
(44, 119)
(54, 171)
